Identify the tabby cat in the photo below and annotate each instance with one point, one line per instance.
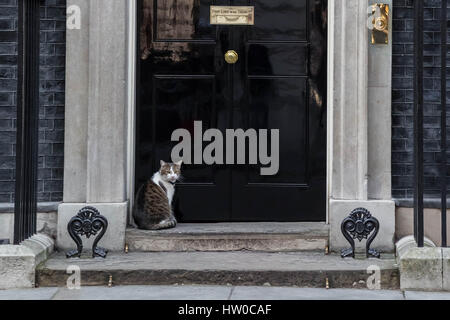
(153, 207)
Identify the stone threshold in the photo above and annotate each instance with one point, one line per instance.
(301, 269)
(270, 237)
(303, 228)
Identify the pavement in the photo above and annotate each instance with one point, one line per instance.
(214, 293)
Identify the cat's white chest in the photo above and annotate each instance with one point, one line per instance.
(170, 192)
(170, 189)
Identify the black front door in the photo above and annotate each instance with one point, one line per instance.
(277, 83)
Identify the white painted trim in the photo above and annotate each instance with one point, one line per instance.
(131, 99)
(362, 113)
(330, 104)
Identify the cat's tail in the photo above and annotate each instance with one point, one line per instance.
(135, 207)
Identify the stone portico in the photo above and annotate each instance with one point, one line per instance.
(100, 118)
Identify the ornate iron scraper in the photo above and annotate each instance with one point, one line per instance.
(359, 225)
(88, 222)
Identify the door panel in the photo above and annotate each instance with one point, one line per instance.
(279, 20)
(279, 95)
(281, 104)
(182, 20)
(273, 59)
(181, 81)
(278, 83)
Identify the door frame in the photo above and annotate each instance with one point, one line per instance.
(132, 105)
(99, 119)
(350, 174)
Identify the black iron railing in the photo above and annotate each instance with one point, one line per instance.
(444, 122)
(27, 120)
(419, 121)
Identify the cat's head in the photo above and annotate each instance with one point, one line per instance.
(170, 172)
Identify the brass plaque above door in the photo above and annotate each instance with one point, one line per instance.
(232, 15)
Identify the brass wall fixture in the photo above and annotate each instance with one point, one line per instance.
(380, 23)
(231, 57)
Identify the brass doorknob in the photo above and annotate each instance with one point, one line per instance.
(231, 57)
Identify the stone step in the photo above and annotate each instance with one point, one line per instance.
(301, 269)
(269, 237)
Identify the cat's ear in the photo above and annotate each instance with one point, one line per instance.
(179, 163)
(162, 163)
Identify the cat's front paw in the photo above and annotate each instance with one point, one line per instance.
(166, 224)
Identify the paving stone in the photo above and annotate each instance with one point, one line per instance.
(146, 293)
(417, 295)
(276, 293)
(28, 294)
(179, 292)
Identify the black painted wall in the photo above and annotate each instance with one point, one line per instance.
(402, 95)
(51, 124)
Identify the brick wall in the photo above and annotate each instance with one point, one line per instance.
(51, 123)
(8, 83)
(402, 95)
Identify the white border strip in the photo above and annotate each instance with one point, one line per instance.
(131, 100)
(330, 103)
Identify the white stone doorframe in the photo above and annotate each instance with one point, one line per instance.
(359, 122)
(100, 119)
(131, 92)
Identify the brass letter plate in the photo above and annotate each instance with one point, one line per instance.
(234, 15)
